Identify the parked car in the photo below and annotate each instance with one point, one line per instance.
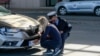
(64, 7)
(16, 30)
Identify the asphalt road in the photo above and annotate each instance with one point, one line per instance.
(84, 39)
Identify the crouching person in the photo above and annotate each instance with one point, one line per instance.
(50, 38)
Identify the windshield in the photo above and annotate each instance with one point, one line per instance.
(4, 11)
(4, 14)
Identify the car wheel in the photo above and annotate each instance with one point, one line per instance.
(97, 11)
(62, 11)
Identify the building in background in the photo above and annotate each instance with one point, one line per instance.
(25, 4)
(31, 4)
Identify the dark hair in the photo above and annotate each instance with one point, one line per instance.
(50, 17)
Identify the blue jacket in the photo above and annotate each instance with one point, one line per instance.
(62, 25)
(54, 34)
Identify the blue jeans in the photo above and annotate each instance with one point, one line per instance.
(50, 44)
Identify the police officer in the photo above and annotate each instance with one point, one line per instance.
(61, 24)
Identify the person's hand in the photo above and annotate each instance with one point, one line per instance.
(39, 33)
(36, 41)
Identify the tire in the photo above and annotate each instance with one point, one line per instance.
(62, 11)
(97, 11)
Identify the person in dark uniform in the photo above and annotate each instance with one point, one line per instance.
(62, 26)
(51, 38)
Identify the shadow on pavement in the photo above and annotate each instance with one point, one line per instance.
(82, 14)
(19, 52)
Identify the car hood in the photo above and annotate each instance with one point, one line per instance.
(18, 20)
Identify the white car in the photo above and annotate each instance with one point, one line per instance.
(16, 30)
(62, 8)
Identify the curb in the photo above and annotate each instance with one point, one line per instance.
(35, 10)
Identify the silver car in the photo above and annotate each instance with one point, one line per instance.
(64, 7)
(16, 30)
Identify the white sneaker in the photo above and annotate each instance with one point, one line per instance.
(56, 52)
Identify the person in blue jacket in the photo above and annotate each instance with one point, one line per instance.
(51, 37)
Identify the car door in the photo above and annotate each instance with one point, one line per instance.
(80, 6)
(72, 7)
(85, 6)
